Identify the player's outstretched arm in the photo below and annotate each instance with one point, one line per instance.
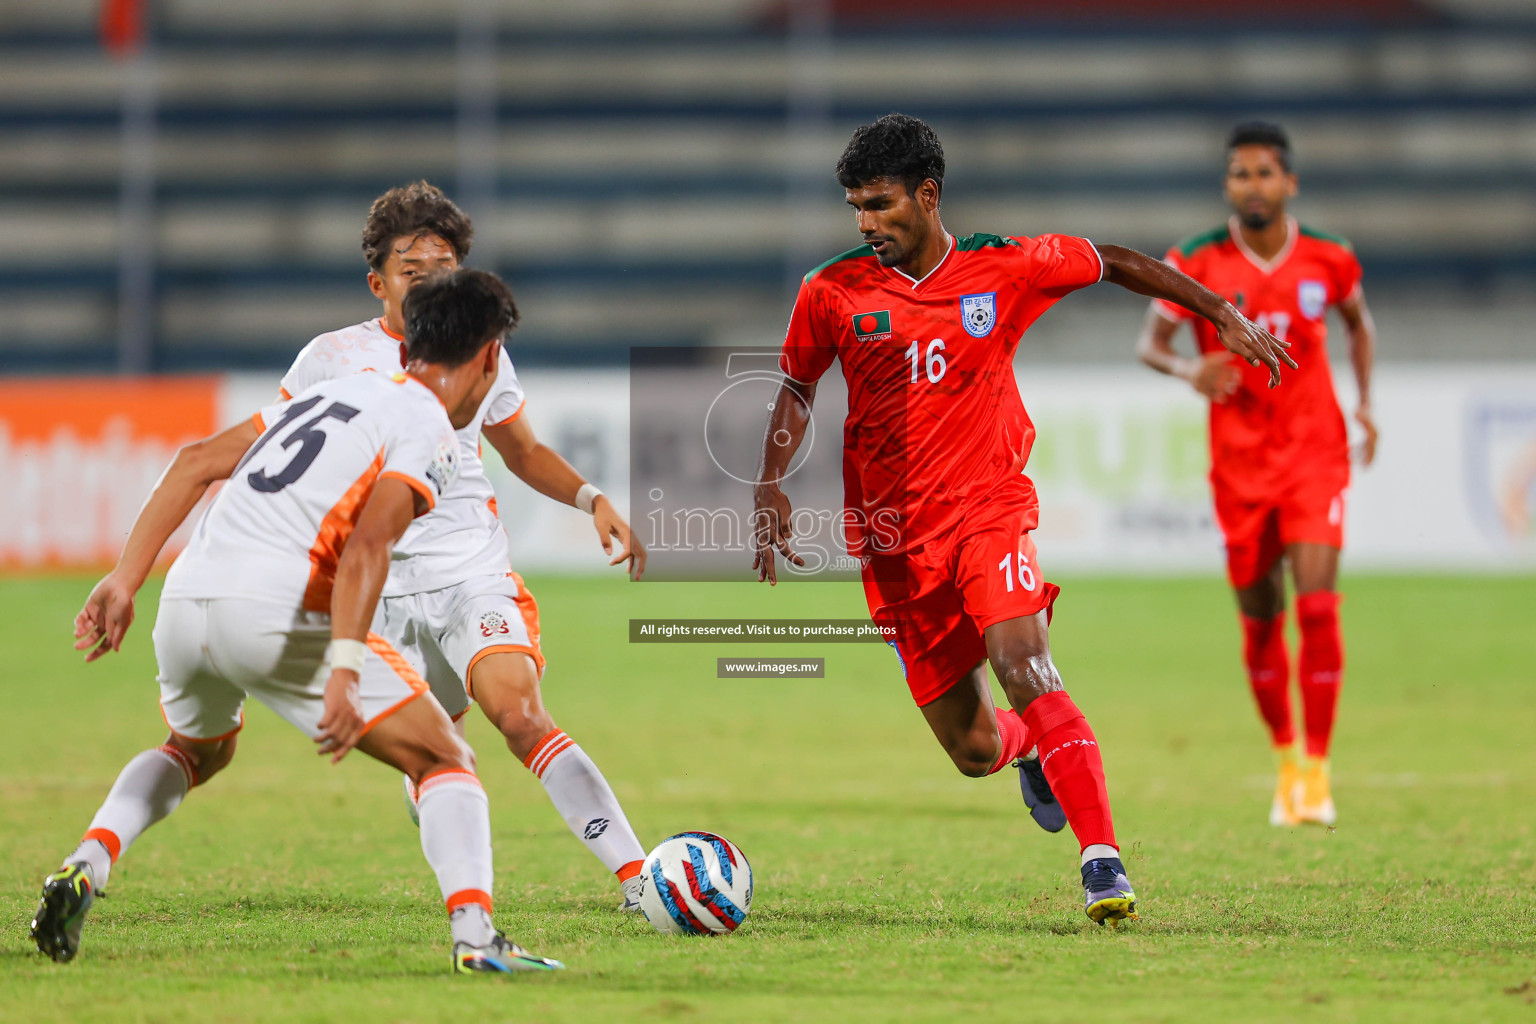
(354, 597)
(546, 471)
(787, 421)
(1213, 374)
(108, 612)
(1140, 273)
(1362, 353)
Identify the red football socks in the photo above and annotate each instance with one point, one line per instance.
(1016, 737)
(1069, 754)
(1322, 666)
(1269, 675)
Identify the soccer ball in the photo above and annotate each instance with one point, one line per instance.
(696, 883)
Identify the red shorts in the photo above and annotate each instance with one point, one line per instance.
(1311, 511)
(939, 597)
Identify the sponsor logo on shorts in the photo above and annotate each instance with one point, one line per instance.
(493, 624)
(595, 828)
(979, 313)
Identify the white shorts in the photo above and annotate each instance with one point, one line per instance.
(446, 631)
(213, 653)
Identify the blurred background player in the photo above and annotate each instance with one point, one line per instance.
(926, 326)
(1279, 458)
(273, 598)
(452, 599)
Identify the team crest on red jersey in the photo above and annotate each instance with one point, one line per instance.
(1312, 297)
(874, 326)
(979, 313)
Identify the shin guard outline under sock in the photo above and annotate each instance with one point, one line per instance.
(1069, 755)
(456, 840)
(1268, 661)
(1321, 665)
(1014, 736)
(586, 802)
(148, 788)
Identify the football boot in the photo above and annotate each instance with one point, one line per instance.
(1314, 794)
(631, 888)
(1048, 814)
(1107, 893)
(67, 896)
(501, 956)
(1282, 811)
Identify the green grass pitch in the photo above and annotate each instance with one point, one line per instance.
(888, 886)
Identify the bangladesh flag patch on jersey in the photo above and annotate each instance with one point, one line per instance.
(872, 326)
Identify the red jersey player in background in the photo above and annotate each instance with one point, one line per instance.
(937, 507)
(1279, 459)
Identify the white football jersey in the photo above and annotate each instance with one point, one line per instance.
(276, 530)
(463, 537)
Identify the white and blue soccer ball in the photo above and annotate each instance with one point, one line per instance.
(696, 883)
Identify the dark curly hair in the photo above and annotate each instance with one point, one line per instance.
(1262, 133)
(449, 316)
(898, 147)
(411, 211)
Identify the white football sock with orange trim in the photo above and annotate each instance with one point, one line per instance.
(456, 838)
(147, 789)
(586, 802)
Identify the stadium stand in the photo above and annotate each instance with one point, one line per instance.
(662, 170)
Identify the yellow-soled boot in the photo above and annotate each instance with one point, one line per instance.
(1314, 795)
(1287, 785)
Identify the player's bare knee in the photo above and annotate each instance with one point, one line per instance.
(518, 715)
(1261, 603)
(1023, 679)
(506, 685)
(523, 731)
(462, 759)
(975, 753)
(1265, 598)
(974, 762)
(208, 758)
(467, 754)
(440, 758)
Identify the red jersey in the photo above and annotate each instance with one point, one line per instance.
(935, 422)
(1265, 440)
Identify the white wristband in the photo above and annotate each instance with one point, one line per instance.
(586, 496)
(349, 654)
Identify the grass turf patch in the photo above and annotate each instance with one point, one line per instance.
(888, 887)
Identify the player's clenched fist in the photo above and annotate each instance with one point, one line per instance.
(105, 619)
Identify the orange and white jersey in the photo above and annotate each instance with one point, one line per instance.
(277, 528)
(463, 537)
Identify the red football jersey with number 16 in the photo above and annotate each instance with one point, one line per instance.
(935, 421)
